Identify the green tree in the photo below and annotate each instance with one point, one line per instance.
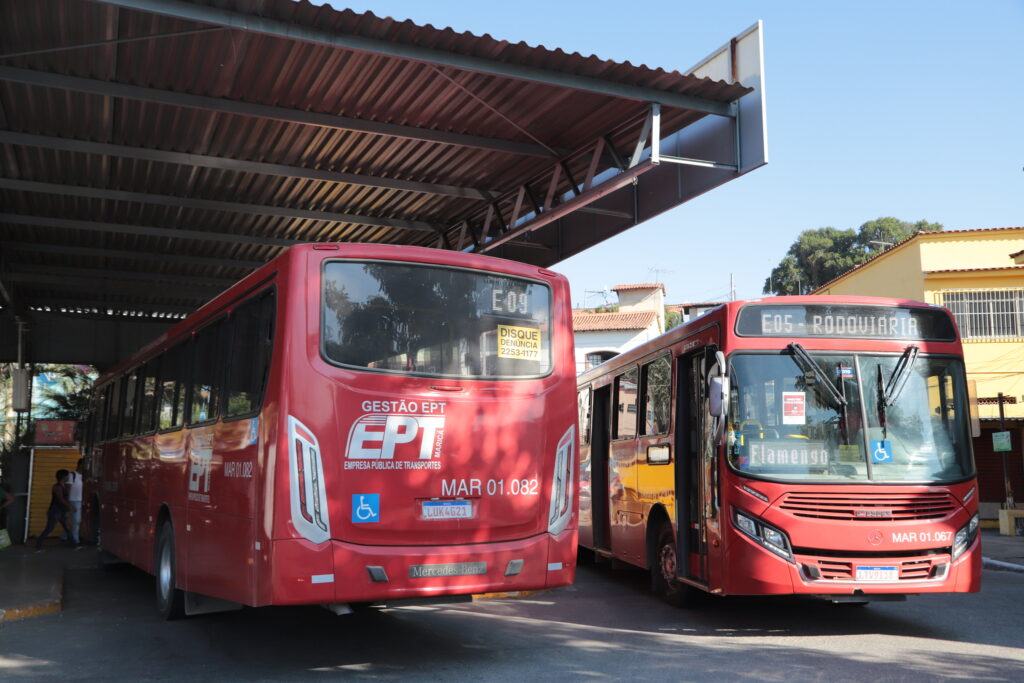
(820, 255)
(66, 396)
(672, 318)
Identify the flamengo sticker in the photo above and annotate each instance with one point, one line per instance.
(397, 435)
(521, 343)
(794, 408)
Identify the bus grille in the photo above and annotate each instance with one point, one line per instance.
(869, 507)
(916, 569)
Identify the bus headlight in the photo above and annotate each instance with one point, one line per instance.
(965, 537)
(763, 533)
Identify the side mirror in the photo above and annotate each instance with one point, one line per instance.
(718, 396)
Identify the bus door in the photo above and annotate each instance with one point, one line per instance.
(625, 511)
(600, 434)
(696, 475)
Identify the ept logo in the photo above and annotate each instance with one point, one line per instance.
(417, 436)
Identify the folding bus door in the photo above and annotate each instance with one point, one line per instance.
(696, 497)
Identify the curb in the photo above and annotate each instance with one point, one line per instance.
(37, 610)
(50, 604)
(999, 565)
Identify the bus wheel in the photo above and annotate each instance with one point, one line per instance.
(170, 601)
(663, 574)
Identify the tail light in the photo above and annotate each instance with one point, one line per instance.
(561, 487)
(308, 495)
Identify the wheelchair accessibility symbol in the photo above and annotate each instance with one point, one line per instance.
(881, 451)
(365, 508)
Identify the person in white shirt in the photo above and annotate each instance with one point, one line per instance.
(73, 482)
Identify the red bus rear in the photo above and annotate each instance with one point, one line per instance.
(349, 424)
(792, 445)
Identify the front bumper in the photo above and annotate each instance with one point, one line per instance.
(756, 571)
(335, 571)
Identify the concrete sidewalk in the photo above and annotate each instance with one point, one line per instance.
(1004, 553)
(31, 583)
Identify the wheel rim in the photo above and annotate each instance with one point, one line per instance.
(165, 571)
(667, 562)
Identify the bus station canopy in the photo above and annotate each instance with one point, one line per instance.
(153, 152)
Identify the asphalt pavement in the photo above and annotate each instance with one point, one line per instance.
(605, 626)
(31, 583)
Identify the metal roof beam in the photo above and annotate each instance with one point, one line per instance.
(78, 284)
(213, 205)
(240, 165)
(273, 27)
(265, 111)
(82, 275)
(132, 255)
(150, 231)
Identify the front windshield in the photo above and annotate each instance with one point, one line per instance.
(787, 424)
(434, 320)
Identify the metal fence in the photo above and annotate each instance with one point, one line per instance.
(986, 313)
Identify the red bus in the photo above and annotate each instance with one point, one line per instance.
(349, 424)
(790, 445)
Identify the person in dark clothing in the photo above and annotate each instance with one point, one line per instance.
(58, 510)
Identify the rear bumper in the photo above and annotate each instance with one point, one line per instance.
(336, 571)
(757, 571)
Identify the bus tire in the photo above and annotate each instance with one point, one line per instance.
(663, 572)
(170, 600)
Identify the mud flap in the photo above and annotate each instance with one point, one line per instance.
(197, 603)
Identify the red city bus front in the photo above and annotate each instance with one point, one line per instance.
(848, 469)
(426, 432)
(790, 445)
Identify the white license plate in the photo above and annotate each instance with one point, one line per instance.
(447, 509)
(878, 574)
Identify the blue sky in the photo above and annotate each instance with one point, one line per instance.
(901, 108)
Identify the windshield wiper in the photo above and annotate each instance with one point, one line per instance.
(889, 391)
(808, 364)
(900, 375)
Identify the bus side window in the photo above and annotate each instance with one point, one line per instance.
(131, 383)
(147, 394)
(172, 387)
(625, 404)
(100, 415)
(207, 373)
(249, 346)
(657, 384)
(114, 412)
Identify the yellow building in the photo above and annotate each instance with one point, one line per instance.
(979, 276)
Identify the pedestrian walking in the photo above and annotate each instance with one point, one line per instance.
(74, 491)
(58, 510)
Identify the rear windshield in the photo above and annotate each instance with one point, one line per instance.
(435, 320)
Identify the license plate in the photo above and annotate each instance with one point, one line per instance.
(878, 574)
(447, 509)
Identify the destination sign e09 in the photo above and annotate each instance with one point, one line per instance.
(845, 321)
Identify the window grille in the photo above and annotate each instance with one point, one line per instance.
(986, 313)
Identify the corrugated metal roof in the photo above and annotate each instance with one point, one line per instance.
(599, 322)
(165, 133)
